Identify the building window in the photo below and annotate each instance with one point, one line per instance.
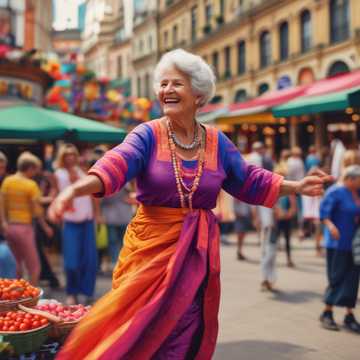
(337, 68)
(150, 43)
(265, 49)
(284, 41)
(141, 46)
(175, 35)
(119, 67)
(241, 57)
(193, 22)
(215, 62)
(227, 55)
(147, 85)
(240, 96)
(208, 13)
(217, 99)
(339, 20)
(166, 39)
(263, 88)
(139, 86)
(305, 21)
(220, 17)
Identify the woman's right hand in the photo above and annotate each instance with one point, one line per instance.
(63, 202)
(334, 232)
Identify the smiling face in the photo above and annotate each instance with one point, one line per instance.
(175, 93)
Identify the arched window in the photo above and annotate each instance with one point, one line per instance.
(339, 20)
(175, 35)
(284, 40)
(338, 67)
(305, 21)
(262, 88)
(240, 96)
(265, 49)
(217, 99)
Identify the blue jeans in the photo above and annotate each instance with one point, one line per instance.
(116, 239)
(80, 257)
(7, 262)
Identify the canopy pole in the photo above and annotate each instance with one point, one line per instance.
(293, 131)
(320, 131)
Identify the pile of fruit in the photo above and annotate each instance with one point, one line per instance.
(63, 312)
(20, 321)
(17, 289)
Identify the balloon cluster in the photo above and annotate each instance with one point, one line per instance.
(76, 89)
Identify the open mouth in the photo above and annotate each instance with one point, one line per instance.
(171, 101)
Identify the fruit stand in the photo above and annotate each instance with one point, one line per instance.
(31, 327)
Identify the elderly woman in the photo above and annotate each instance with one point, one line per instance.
(166, 287)
(339, 212)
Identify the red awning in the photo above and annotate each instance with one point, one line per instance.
(274, 98)
(210, 107)
(269, 99)
(334, 84)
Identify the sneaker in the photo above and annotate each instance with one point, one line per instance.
(351, 324)
(328, 322)
(240, 256)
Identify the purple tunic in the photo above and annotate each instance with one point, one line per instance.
(145, 155)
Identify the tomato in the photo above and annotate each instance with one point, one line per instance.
(28, 316)
(12, 328)
(13, 315)
(26, 321)
(35, 324)
(43, 321)
(36, 317)
(24, 327)
(5, 328)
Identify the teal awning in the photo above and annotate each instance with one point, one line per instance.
(305, 105)
(30, 122)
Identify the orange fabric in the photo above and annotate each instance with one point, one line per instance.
(146, 267)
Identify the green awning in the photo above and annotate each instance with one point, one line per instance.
(305, 105)
(30, 122)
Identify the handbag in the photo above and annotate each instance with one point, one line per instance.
(356, 247)
(101, 237)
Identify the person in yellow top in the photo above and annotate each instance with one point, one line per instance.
(20, 204)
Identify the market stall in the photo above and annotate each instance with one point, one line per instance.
(32, 327)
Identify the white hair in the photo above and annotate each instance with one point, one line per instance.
(200, 73)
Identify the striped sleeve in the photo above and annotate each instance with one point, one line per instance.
(125, 161)
(249, 183)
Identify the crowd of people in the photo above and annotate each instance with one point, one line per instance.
(28, 237)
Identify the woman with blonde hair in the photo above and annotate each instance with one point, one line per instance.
(78, 244)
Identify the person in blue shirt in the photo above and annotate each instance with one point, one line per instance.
(339, 212)
(312, 160)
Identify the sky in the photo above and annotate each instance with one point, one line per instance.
(66, 14)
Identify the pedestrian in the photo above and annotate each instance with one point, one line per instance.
(243, 224)
(78, 230)
(295, 172)
(47, 184)
(21, 204)
(225, 216)
(339, 212)
(117, 213)
(166, 286)
(312, 159)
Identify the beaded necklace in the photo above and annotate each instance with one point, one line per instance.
(180, 183)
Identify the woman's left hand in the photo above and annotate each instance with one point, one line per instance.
(313, 185)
